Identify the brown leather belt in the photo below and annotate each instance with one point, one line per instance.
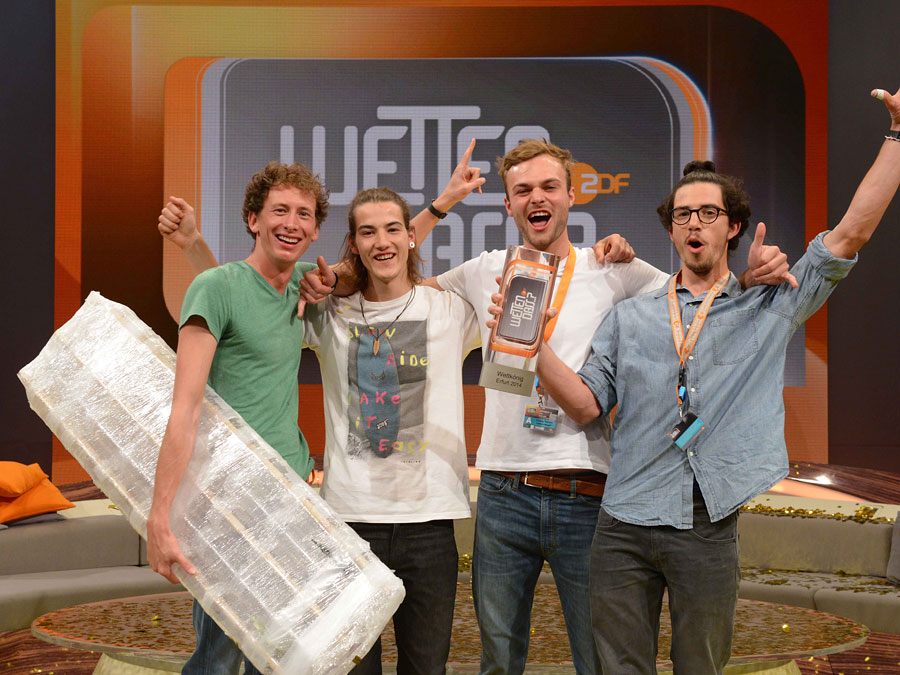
(589, 483)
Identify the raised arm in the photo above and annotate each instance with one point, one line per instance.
(178, 224)
(196, 347)
(463, 180)
(874, 192)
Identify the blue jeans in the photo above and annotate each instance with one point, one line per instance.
(631, 566)
(215, 653)
(424, 557)
(517, 528)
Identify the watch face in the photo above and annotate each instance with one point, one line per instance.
(521, 317)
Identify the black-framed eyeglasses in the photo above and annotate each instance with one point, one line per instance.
(706, 214)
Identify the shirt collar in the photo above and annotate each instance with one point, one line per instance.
(732, 288)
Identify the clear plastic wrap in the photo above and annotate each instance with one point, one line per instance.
(295, 587)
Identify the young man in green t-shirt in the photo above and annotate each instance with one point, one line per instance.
(239, 331)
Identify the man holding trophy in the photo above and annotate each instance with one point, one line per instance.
(543, 474)
(696, 370)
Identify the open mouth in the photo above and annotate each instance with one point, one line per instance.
(539, 219)
(291, 241)
(384, 257)
(694, 244)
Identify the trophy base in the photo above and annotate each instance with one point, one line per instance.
(507, 378)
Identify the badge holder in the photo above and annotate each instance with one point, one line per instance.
(685, 432)
(526, 289)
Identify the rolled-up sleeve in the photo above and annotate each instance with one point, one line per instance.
(818, 273)
(599, 371)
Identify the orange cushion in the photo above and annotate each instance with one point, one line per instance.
(17, 479)
(44, 497)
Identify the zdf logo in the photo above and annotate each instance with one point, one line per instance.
(588, 183)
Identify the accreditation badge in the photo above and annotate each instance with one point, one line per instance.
(539, 418)
(686, 431)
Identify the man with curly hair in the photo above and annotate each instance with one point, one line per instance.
(239, 331)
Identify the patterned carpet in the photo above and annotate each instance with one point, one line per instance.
(22, 654)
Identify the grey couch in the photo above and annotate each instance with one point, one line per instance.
(827, 564)
(51, 565)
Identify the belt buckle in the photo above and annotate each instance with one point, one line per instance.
(525, 480)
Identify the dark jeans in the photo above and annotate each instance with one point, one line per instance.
(517, 528)
(424, 557)
(215, 653)
(631, 567)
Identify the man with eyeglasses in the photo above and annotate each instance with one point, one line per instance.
(539, 493)
(696, 369)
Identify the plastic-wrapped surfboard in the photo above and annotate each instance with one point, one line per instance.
(295, 587)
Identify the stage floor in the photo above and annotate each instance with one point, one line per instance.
(21, 653)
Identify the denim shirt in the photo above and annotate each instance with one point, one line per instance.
(735, 377)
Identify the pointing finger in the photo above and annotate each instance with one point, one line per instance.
(464, 161)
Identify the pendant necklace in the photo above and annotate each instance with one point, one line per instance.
(376, 344)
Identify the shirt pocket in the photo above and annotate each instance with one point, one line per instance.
(734, 337)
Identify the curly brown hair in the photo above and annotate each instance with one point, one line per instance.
(360, 273)
(529, 148)
(737, 201)
(275, 174)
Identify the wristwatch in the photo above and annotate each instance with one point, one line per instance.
(440, 215)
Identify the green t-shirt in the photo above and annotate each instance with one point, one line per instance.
(258, 354)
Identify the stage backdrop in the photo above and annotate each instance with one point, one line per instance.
(157, 99)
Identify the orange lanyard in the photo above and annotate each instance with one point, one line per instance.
(684, 345)
(561, 292)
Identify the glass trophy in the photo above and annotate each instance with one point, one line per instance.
(526, 289)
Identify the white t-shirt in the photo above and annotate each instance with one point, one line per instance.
(395, 445)
(505, 444)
